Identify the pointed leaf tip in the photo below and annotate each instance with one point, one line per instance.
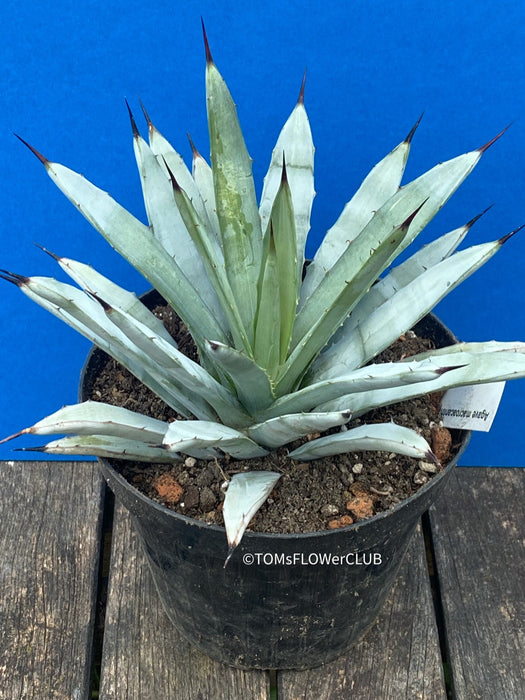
(473, 221)
(444, 370)
(146, 115)
(413, 129)
(15, 435)
(136, 133)
(489, 143)
(107, 308)
(406, 223)
(231, 550)
(194, 150)
(40, 157)
(209, 58)
(173, 179)
(12, 277)
(432, 457)
(504, 239)
(284, 175)
(300, 99)
(246, 493)
(55, 257)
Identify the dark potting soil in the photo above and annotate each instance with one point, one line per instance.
(310, 496)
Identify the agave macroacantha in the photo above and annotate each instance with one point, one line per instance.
(281, 356)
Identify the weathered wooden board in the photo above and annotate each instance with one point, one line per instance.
(398, 658)
(144, 656)
(479, 535)
(50, 521)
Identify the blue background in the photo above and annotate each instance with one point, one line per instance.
(373, 67)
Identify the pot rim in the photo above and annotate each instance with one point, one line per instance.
(272, 535)
(249, 534)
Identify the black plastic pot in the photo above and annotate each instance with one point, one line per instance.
(284, 601)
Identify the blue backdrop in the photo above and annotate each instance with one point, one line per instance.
(373, 67)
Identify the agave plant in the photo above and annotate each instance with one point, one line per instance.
(280, 356)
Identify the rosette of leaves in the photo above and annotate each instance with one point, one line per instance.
(281, 357)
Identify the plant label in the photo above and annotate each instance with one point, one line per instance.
(471, 407)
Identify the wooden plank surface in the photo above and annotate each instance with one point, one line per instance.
(479, 536)
(144, 656)
(398, 658)
(50, 518)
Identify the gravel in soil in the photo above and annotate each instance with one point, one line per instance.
(310, 496)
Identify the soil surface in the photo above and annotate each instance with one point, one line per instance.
(310, 496)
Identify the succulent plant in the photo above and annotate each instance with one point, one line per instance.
(281, 356)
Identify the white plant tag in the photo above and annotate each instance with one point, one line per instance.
(471, 407)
